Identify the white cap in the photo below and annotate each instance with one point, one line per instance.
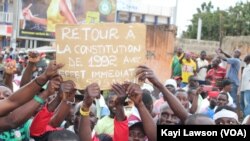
(147, 87)
(171, 82)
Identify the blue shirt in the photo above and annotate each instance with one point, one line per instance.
(233, 72)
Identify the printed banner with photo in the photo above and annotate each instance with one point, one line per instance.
(38, 18)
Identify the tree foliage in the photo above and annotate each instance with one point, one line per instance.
(219, 23)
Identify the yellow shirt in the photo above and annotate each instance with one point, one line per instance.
(53, 15)
(188, 69)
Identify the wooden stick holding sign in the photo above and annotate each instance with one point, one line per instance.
(101, 53)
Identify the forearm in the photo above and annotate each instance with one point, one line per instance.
(27, 75)
(54, 103)
(194, 107)
(120, 115)
(85, 130)
(60, 114)
(23, 95)
(174, 103)
(28, 91)
(25, 112)
(227, 55)
(39, 20)
(148, 123)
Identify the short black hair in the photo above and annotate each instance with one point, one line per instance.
(146, 97)
(247, 58)
(63, 135)
(226, 82)
(191, 120)
(203, 51)
(224, 93)
(104, 137)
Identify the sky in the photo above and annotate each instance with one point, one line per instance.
(186, 8)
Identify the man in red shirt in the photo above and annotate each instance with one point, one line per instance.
(216, 74)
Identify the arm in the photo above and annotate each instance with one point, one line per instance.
(27, 75)
(227, 55)
(66, 12)
(85, 128)
(68, 89)
(23, 113)
(119, 102)
(135, 94)
(27, 92)
(194, 107)
(173, 102)
(181, 59)
(10, 69)
(29, 16)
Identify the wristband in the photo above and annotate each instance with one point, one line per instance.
(38, 99)
(39, 84)
(83, 113)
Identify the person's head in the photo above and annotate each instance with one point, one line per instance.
(215, 62)
(5, 92)
(226, 85)
(167, 116)
(199, 119)
(193, 81)
(171, 85)
(183, 98)
(147, 100)
(203, 55)
(226, 115)
(212, 97)
(237, 53)
(247, 59)
(222, 99)
(104, 137)
(62, 135)
(188, 56)
(179, 50)
(92, 117)
(136, 132)
(111, 103)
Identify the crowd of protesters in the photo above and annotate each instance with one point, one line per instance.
(42, 106)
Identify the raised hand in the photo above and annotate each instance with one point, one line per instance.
(27, 13)
(54, 84)
(34, 56)
(120, 91)
(52, 70)
(10, 67)
(68, 90)
(135, 93)
(92, 91)
(143, 73)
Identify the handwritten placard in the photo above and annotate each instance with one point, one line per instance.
(101, 53)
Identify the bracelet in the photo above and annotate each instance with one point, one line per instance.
(83, 113)
(38, 99)
(39, 84)
(70, 102)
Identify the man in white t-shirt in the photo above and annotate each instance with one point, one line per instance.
(202, 65)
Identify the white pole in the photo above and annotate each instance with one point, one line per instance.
(199, 29)
(14, 25)
(175, 13)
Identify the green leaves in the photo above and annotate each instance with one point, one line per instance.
(218, 23)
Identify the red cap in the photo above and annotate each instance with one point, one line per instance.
(213, 94)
